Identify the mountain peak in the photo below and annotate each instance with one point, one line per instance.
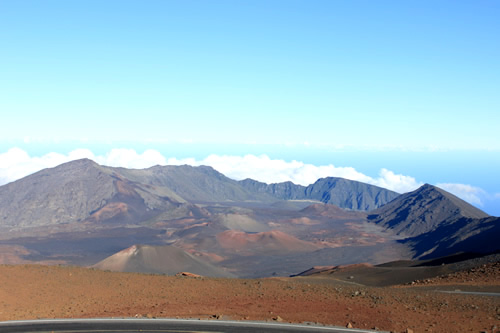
(465, 209)
(427, 187)
(423, 210)
(80, 162)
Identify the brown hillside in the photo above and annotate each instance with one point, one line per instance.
(269, 242)
(158, 259)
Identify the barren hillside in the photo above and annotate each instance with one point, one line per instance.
(33, 291)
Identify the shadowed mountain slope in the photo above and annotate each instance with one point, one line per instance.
(423, 210)
(332, 190)
(461, 235)
(437, 223)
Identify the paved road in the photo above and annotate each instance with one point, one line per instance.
(161, 325)
(478, 293)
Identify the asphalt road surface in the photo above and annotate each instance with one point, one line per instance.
(477, 293)
(161, 325)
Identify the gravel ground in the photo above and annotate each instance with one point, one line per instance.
(35, 291)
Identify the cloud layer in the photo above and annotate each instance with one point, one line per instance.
(267, 170)
(16, 163)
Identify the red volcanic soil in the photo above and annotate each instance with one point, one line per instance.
(109, 211)
(269, 242)
(158, 259)
(33, 291)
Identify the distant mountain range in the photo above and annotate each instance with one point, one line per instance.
(194, 218)
(341, 192)
(82, 190)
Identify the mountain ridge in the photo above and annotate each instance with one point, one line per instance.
(337, 191)
(422, 210)
(437, 223)
(76, 191)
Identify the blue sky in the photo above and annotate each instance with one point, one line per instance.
(407, 86)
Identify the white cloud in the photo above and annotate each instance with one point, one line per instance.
(267, 170)
(129, 158)
(80, 153)
(396, 182)
(16, 163)
(465, 192)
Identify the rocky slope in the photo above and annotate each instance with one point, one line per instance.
(67, 193)
(461, 235)
(80, 191)
(437, 223)
(423, 210)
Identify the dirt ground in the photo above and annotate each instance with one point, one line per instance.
(36, 291)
